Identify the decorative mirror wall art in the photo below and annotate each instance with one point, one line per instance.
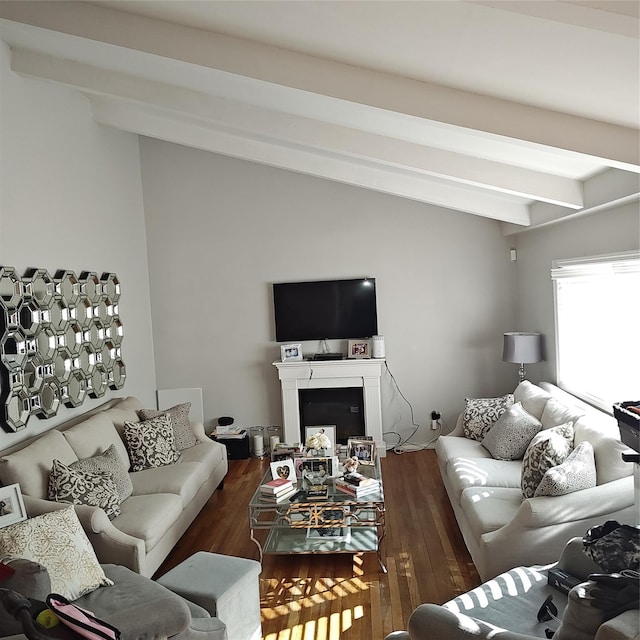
(60, 341)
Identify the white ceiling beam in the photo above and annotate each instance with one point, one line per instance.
(617, 146)
(288, 129)
(158, 123)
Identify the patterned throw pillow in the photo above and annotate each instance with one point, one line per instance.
(57, 541)
(179, 414)
(511, 434)
(480, 414)
(151, 443)
(110, 462)
(94, 488)
(548, 448)
(577, 472)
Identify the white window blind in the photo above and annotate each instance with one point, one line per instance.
(597, 307)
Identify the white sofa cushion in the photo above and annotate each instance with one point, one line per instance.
(604, 435)
(510, 435)
(30, 466)
(94, 436)
(556, 413)
(184, 479)
(548, 448)
(577, 472)
(532, 397)
(489, 508)
(463, 473)
(148, 517)
(449, 447)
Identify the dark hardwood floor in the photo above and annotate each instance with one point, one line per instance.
(343, 596)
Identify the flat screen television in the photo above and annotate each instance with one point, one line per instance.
(325, 309)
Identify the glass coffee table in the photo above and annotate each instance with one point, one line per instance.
(339, 523)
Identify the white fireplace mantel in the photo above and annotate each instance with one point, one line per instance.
(332, 374)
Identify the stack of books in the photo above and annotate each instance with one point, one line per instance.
(357, 484)
(277, 490)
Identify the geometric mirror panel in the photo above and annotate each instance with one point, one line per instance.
(60, 341)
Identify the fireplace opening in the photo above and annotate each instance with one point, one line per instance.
(342, 407)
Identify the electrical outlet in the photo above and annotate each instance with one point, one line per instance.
(435, 419)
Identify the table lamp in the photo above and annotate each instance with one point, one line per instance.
(522, 348)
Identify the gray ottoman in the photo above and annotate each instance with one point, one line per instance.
(226, 586)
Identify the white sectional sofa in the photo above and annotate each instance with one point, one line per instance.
(504, 529)
(163, 501)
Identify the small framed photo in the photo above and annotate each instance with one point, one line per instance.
(283, 469)
(359, 349)
(11, 505)
(363, 450)
(290, 352)
(317, 470)
(328, 430)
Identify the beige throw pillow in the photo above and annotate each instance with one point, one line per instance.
(57, 541)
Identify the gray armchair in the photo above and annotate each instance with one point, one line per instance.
(506, 608)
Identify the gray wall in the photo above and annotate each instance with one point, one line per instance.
(71, 198)
(607, 232)
(220, 231)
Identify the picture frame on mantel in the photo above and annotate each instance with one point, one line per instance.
(291, 352)
(359, 349)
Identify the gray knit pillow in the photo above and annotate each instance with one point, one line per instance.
(111, 462)
(179, 414)
(509, 437)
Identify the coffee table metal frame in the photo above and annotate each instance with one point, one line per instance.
(341, 523)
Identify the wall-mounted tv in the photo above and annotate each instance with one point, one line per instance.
(326, 309)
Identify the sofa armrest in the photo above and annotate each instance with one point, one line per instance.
(433, 622)
(579, 505)
(623, 627)
(198, 430)
(110, 544)
(575, 561)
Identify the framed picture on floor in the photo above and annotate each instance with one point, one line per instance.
(11, 505)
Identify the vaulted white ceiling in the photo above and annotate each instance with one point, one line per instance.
(504, 109)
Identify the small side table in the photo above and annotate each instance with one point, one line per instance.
(237, 448)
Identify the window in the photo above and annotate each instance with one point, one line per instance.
(597, 306)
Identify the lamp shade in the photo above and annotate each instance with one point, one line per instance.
(522, 348)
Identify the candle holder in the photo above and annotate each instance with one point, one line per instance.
(256, 438)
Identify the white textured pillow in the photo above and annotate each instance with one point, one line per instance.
(57, 541)
(509, 437)
(151, 443)
(577, 472)
(480, 414)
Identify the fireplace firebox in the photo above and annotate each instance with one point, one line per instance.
(342, 407)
